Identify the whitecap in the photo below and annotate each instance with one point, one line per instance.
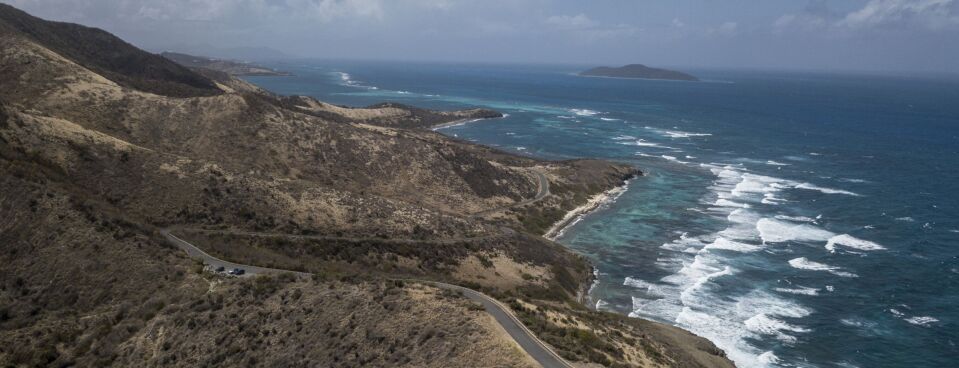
(809, 186)
(637, 283)
(624, 138)
(520, 148)
(680, 134)
(765, 325)
(608, 119)
(722, 202)
(776, 163)
(726, 244)
(849, 241)
(796, 218)
(922, 320)
(801, 290)
(804, 264)
(584, 112)
(773, 231)
(641, 143)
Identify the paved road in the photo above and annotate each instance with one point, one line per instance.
(542, 192)
(533, 346)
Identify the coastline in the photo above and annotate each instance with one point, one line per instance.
(463, 121)
(577, 214)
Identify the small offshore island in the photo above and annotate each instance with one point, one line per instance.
(639, 71)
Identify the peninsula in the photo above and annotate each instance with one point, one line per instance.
(638, 71)
(231, 67)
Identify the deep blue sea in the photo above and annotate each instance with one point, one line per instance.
(794, 219)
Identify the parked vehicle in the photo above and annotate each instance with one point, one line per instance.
(220, 269)
(237, 271)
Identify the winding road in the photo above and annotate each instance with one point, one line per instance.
(525, 338)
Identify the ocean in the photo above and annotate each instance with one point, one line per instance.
(795, 219)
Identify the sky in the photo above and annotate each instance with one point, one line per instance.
(838, 35)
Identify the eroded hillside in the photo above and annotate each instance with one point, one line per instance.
(96, 156)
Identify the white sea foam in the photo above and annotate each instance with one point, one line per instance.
(742, 225)
(774, 231)
(722, 202)
(808, 186)
(726, 244)
(849, 241)
(601, 304)
(731, 325)
(584, 112)
(801, 290)
(906, 219)
(624, 138)
(678, 133)
(767, 358)
(896, 312)
(641, 143)
(766, 325)
(804, 264)
(922, 320)
(637, 283)
(776, 163)
(608, 119)
(796, 218)
(520, 148)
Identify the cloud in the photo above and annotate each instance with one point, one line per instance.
(576, 21)
(928, 14)
(726, 29)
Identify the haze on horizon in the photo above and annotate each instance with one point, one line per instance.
(858, 35)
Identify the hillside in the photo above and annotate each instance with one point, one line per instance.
(104, 145)
(638, 71)
(235, 68)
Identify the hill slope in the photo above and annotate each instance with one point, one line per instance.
(97, 155)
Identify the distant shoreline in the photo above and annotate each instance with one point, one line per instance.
(463, 121)
(638, 78)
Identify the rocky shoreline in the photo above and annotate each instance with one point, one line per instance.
(578, 213)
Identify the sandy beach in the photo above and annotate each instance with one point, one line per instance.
(578, 213)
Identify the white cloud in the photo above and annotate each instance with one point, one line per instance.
(576, 21)
(726, 29)
(930, 14)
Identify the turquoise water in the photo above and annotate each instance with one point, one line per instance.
(794, 219)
